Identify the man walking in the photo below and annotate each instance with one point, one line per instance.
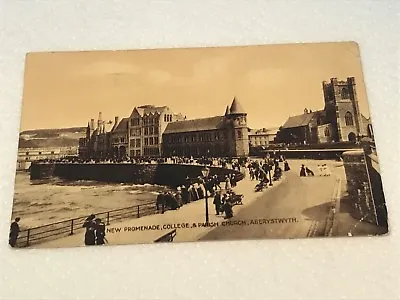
(14, 232)
(217, 202)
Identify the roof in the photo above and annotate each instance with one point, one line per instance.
(264, 131)
(122, 125)
(236, 108)
(150, 109)
(300, 120)
(212, 123)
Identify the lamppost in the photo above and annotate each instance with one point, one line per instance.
(205, 171)
(270, 164)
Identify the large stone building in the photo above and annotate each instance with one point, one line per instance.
(339, 121)
(138, 135)
(225, 135)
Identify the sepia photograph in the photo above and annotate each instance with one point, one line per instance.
(195, 144)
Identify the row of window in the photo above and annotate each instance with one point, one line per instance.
(167, 118)
(200, 137)
(119, 140)
(39, 153)
(146, 121)
(151, 151)
(151, 141)
(146, 131)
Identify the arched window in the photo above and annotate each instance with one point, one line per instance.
(348, 118)
(327, 131)
(345, 93)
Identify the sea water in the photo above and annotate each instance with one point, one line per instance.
(40, 202)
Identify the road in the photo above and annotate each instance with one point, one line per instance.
(307, 199)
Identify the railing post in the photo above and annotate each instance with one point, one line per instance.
(72, 227)
(27, 237)
(138, 215)
(108, 218)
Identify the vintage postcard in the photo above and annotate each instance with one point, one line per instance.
(197, 144)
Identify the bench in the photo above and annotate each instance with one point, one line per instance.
(166, 238)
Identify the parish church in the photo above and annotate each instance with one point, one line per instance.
(340, 121)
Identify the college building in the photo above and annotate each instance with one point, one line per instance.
(339, 121)
(152, 131)
(224, 135)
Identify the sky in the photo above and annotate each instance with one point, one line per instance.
(67, 89)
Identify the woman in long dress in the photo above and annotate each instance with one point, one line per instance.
(228, 185)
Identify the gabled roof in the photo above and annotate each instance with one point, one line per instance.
(195, 125)
(122, 125)
(150, 109)
(236, 108)
(299, 121)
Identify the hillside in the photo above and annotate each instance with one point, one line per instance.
(43, 138)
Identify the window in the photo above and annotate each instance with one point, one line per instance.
(40, 152)
(156, 140)
(186, 139)
(165, 118)
(348, 118)
(137, 152)
(327, 133)
(137, 143)
(345, 93)
(146, 131)
(52, 152)
(146, 141)
(151, 130)
(239, 134)
(151, 141)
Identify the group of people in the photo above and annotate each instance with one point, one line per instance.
(95, 231)
(224, 202)
(260, 170)
(323, 170)
(193, 190)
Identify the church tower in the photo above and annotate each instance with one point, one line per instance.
(342, 111)
(239, 133)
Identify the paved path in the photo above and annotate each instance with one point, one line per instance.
(305, 199)
(298, 208)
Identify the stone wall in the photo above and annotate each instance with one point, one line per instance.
(359, 186)
(161, 174)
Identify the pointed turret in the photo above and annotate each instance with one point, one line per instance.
(227, 112)
(236, 108)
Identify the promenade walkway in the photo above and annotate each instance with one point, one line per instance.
(129, 232)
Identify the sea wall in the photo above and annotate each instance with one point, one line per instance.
(305, 153)
(364, 188)
(161, 174)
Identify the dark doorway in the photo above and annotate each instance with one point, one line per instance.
(352, 137)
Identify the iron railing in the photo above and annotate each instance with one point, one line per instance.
(166, 238)
(59, 229)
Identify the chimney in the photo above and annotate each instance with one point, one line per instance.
(116, 121)
(99, 120)
(92, 124)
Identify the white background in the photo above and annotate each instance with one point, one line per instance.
(339, 268)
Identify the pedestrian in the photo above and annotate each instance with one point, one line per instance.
(160, 202)
(100, 232)
(286, 166)
(217, 202)
(90, 225)
(303, 171)
(14, 232)
(228, 185)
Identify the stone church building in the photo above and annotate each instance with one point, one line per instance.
(339, 121)
(225, 135)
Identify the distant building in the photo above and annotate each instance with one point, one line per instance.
(225, 135)
(340, 120)
(262, 137)
(28, 155)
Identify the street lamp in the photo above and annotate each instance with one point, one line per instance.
(205, 171)
(269, 171)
